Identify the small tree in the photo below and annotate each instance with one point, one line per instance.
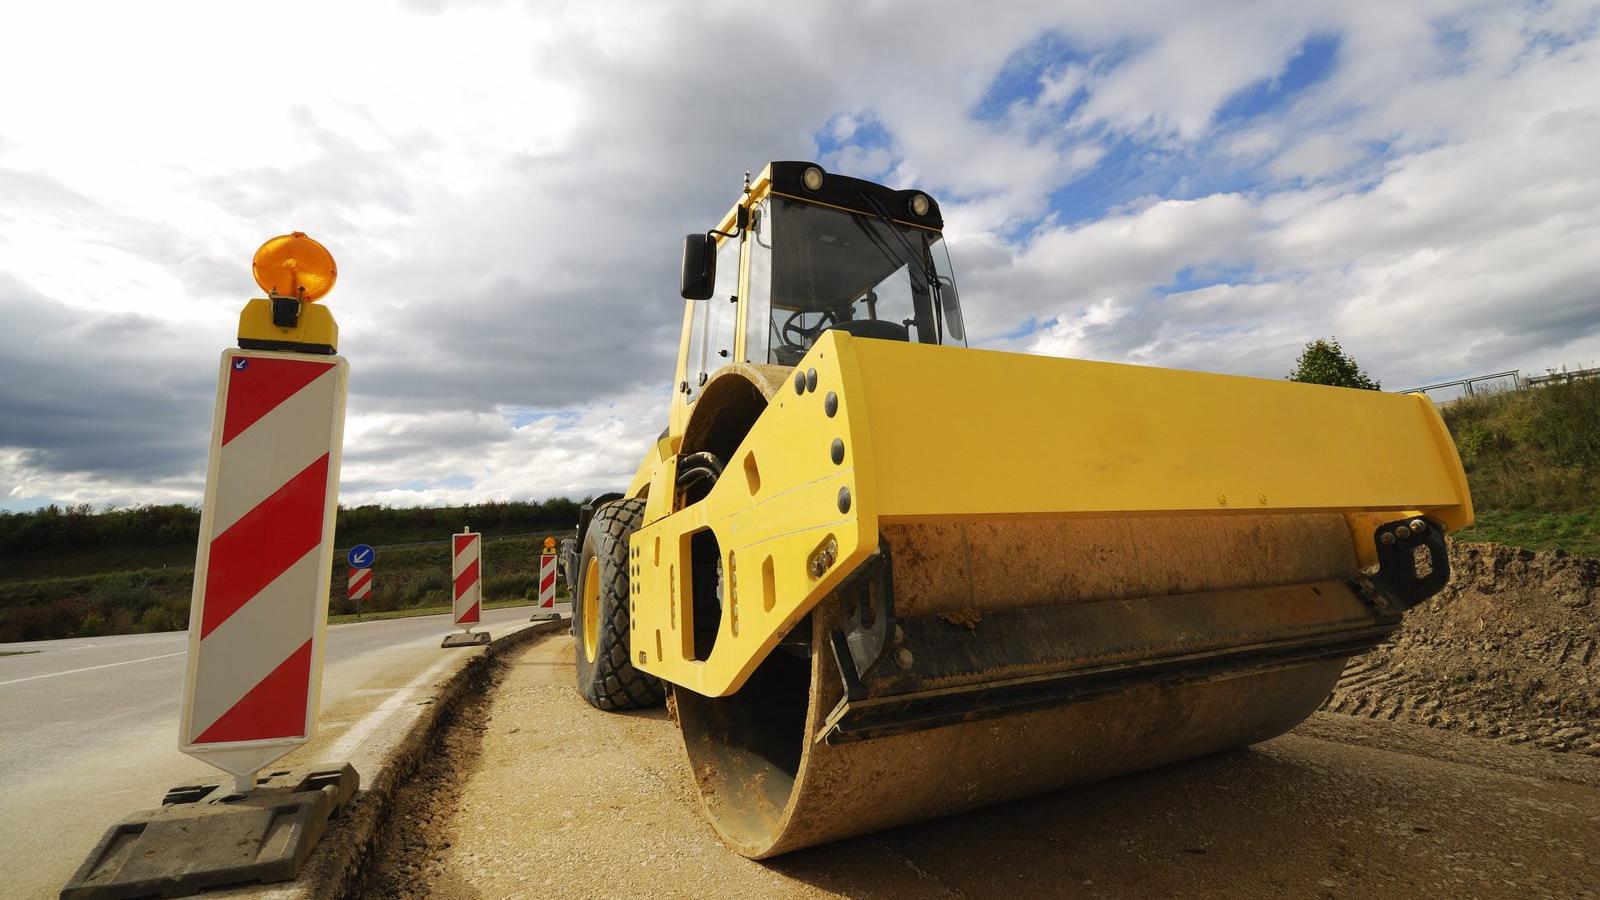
(1325, 362)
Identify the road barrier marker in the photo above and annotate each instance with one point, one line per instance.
(260, 603)
(546, 608)
(258, 615)
(360, 584)
(466, 578)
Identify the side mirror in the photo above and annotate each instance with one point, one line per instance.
(699, 276)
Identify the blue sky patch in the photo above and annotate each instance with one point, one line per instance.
(518, 416)
(1311, 63)
(1194, 278)
(1029, 327)
(1021, 79)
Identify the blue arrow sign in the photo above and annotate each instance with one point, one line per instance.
(361, 556)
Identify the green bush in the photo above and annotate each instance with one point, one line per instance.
(56, 539)
(1537, 449)
(431, 588)
(502, 587)
(1533, 463)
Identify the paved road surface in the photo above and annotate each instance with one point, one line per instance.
(91, 728)
(564, 801)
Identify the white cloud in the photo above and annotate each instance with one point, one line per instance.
(504, 186)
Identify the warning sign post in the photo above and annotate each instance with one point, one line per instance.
(466, 580)
(259, 609)
(260, 604)
(545, 607)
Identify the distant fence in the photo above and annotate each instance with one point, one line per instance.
(1447, 392)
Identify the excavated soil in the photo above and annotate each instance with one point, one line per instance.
(411, 849)
(1509, 651)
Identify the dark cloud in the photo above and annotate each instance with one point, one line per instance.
(99, 393)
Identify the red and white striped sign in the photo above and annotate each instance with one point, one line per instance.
(360, 584)
(260, 601)
(467, 575)
(547, 581)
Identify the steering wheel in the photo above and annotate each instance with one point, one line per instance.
(800, 337)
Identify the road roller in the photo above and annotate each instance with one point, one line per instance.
(883, 576)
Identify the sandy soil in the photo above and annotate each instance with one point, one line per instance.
(533, 793)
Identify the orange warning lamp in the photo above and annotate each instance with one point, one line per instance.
(293, 265)
(549, 545)
(295, 271)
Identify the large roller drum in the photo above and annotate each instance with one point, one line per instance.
(1025, 656)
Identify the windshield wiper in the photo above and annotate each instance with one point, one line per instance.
(912, 255)
(929, 272)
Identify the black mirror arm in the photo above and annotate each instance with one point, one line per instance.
(741, 221)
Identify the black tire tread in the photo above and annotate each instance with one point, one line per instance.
(613, 683)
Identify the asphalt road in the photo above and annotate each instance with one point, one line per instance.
(90, 728)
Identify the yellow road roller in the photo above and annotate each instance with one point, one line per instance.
(886, 577)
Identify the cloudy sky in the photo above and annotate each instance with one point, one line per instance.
(506, 185)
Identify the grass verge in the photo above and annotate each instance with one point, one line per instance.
(1577, 533)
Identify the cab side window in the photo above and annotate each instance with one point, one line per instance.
(712, 331)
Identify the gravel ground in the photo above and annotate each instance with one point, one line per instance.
(532, 793)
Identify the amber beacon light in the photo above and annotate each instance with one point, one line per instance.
(293, 265)
(295, 271)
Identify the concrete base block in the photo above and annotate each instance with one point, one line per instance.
(466, 639)
(203, 836)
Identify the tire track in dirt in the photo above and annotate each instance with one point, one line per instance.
(1507, 651)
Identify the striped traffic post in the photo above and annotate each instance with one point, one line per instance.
(466, 580)
(359, 587)
(360, 584)
(546, 607)
(259, 608)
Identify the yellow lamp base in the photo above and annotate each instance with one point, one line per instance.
(314, 330)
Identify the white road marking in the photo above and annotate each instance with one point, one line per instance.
(126, 662)
(357, 734)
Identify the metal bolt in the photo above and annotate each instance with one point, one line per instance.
(799, 382)
(811, 379)
(830, 404)
(844, 499)
(1402, 533)
(1418, 526)
(1386, 539)
(837, 451)
(904, 658)
(1222, 499)
(899, 635)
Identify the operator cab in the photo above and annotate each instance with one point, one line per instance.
(809, 252)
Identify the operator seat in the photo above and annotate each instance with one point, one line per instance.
(874, 328)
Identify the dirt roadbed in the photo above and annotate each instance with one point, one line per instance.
(533, 793)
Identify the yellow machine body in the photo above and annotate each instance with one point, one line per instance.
(937, 435)
(929, 577)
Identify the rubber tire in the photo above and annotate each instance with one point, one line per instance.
(611, 682)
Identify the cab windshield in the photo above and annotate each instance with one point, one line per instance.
(813, 268)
